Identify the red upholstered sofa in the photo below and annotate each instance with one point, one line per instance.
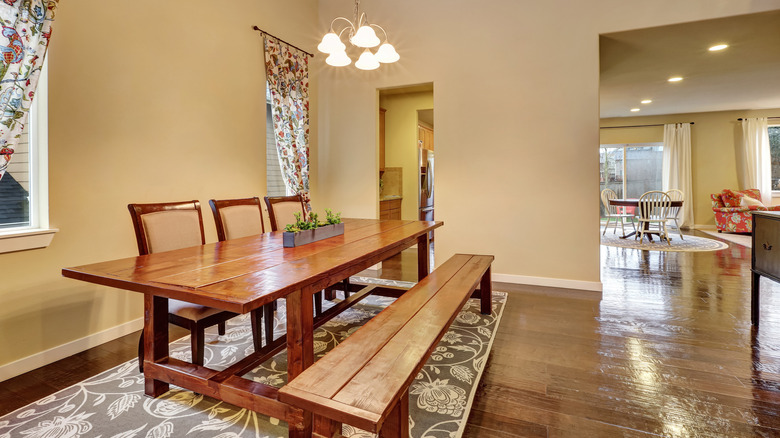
(732, 213)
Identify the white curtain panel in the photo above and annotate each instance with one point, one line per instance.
(755, 170)
(676, 173)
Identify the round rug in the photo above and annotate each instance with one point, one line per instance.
(690, 243)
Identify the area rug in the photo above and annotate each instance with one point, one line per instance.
(113, 404)
(739, 239)
(689, 243)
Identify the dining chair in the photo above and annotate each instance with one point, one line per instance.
(653, 210)
(674, 212)
(612, 212)
(281, 211)
(165, 227)
(234, 219)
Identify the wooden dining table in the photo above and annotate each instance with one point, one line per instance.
(634, 202)
(242, 275)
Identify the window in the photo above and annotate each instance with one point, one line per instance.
(630, 169)
(774, 152)
(24, 213)
(275, 185)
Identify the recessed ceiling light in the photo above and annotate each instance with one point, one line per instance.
(633, 110)
(718, 47)
(646, 101)
(675, 79)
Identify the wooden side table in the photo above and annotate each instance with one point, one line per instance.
(765, 259)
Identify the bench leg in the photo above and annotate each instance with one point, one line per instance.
(486, 294)
(397, 423)
(323, 427)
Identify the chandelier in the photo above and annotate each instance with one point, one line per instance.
(360, 34)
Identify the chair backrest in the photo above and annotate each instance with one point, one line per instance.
(237, 218)
(675, 195)
(282, 209)
(167, 226)
(654, 205)
(606, 195)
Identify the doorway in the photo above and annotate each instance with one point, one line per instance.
(406, 153)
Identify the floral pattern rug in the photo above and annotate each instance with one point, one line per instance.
(113, 404)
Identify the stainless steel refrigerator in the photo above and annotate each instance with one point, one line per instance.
(426, 184)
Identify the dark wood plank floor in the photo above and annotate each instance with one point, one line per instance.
(667, 350)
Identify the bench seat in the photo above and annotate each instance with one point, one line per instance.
(364, 381)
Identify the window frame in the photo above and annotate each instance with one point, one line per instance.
(773, 124)
(38, 234)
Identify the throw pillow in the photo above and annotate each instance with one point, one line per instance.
(731, 198)
(747, 201)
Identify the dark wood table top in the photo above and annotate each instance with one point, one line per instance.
(243, 274)
(634, 202)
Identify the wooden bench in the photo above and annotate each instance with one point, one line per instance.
(364, 381)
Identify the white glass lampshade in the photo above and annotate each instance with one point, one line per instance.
(365, 37)
(367, 61)
(331, 43)
(387, 54)
(338, 59)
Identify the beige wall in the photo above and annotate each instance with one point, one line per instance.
(149, 101)
(516, 106)
(401, 142)
(714, 140)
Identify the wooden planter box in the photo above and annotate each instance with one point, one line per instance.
(299, 238)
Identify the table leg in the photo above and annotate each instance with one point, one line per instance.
(755, 301)
(155, 339)
(486, 293)
(300, 348)
(423, 256)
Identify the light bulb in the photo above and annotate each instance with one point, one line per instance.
(331, 43)
(338, 59)
(365, 37)
(387, 54)
(367, 61)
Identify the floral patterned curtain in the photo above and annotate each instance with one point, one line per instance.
(26, 30)
(287, 71)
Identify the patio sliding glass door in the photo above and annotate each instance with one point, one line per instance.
(630, 169)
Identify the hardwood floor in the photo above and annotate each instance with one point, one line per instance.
(667, 350)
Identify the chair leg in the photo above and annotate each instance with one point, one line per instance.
(221, 328)
(678, 228)
(622, 226)
(606, 225)
(666, 235)
(141, 353)
(268, 316)
(197, 344)
(256, 317)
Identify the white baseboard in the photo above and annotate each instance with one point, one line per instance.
(594, 286)
(51, 355)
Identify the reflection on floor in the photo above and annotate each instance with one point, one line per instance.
(667, 350)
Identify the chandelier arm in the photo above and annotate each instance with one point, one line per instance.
(341, 18)
(380, 28)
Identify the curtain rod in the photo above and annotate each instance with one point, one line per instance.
(291, 45)
(637, 126)
(740, 119)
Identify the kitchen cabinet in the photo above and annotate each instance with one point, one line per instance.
(382, 139)
(425, 137)
(390, 209)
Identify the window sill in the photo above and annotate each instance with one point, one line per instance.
(21, 240)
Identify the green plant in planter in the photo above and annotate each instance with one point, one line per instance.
(313, 222)
(332, 219)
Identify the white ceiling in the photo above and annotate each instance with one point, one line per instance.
(635, 65)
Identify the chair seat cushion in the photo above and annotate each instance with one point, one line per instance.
(194, 312)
